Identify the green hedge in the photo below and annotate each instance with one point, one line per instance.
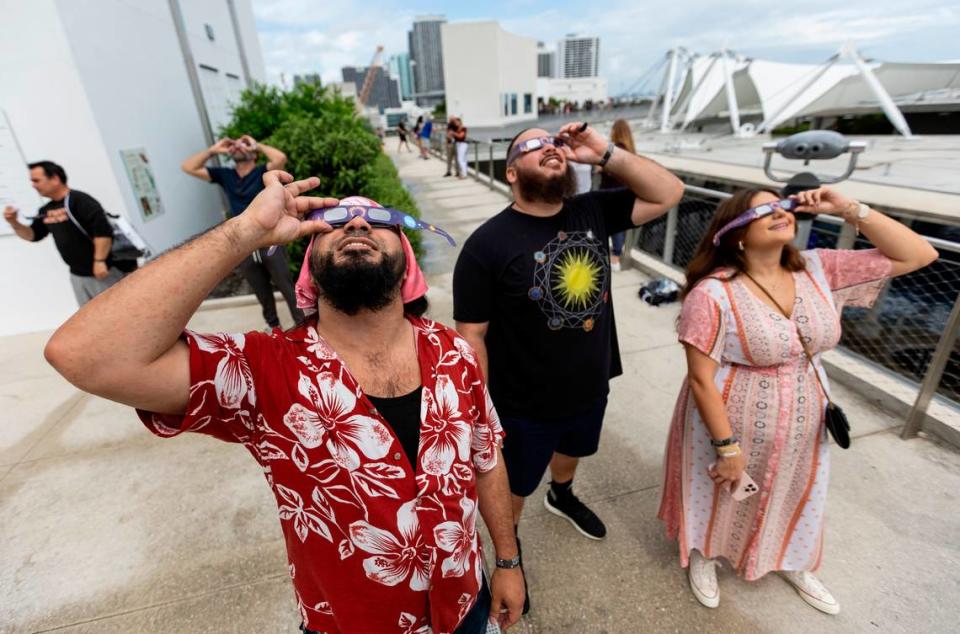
(322, 136)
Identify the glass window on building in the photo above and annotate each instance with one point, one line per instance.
(527, 103)
(513, 103)
(506, 104)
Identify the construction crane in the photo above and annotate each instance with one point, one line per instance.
(368, 80)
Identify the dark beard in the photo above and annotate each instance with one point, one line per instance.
(357, 284)
(547, 189)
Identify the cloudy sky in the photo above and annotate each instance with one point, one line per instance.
(305, 36)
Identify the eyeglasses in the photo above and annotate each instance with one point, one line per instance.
(787, 204)
(376, 216)
(533, 144)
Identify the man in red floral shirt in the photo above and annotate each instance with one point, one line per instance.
(372, 425)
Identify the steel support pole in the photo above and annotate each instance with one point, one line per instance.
(476, 160)
(192, 75)
(933, 375)
(490, 166)
(670, 236)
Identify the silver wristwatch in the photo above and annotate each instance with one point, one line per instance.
(509, 563)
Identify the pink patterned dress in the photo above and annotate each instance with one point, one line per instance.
(775, 407)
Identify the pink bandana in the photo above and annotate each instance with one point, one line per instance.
(414, 285)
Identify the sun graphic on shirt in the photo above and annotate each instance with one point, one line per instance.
(577, 278)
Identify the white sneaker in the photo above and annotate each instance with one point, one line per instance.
(703, 579)
(811, 590)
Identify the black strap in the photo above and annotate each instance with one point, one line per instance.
(803, 344)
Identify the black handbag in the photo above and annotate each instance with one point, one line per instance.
(833, 417)
(123, 248)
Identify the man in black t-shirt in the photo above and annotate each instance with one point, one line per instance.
(79, 227)
(241, 184)
(532, 296)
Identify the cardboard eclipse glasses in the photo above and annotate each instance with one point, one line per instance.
(376, 216)
(754, 213)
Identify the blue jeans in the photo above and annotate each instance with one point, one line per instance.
(618, 240)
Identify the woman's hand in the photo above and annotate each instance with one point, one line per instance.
(727, 470)
(824, 200)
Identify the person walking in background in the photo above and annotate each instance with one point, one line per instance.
(461, 145)
(750, 415)
(416, 135)
(451, 148)
(531, 294)
(622, 137)
(425, 131)
(80, 230)
(241, 184)
(402, 135)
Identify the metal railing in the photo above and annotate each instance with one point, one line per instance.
(481, 156)
(911, 330)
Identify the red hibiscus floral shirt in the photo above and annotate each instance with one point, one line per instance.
(373, 544)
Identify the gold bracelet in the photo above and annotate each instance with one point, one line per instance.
(729, 451)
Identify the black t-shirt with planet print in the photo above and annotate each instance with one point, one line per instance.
(543, 284)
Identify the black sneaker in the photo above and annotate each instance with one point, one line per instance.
(526, 593)
(447, 174)
(569, 506)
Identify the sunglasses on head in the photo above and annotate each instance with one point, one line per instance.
(377, 217)
(533, 144)
(787, 204)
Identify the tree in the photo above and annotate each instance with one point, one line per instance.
(322, 136)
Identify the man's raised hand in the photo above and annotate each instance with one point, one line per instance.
(276, 215)
(582, 144)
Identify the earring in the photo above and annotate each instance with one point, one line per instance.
(740, 244)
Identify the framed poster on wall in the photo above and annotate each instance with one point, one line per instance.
(15, 188)
(143, 183)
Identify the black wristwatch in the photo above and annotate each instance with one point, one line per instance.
(606, 156)
(732, 440)
(509, 563)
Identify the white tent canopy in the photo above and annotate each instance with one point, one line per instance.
(774, 92)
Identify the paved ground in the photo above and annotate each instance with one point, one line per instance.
(108, 529)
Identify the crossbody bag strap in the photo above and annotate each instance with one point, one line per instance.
(803, 344)
(66, 206)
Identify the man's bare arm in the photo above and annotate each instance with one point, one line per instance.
(196, 164)
(475, 334)
(125, 344)
(657, 189)
(493, 496)
(276, 160)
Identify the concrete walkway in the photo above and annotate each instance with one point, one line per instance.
(108, 529)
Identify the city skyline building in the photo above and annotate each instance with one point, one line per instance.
(385, 92)
(490, 75)
(426, 57)
(578, 56)
(546, 61)
(400, 68)
(308, 78)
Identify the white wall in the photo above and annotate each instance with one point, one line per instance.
(82, 81)
(481, 62)
(47, 107)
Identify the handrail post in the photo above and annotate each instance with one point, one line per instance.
(490, 166)
(931, 379)
(670, 235)
(476, 159)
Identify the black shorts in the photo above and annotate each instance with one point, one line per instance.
(530, 444)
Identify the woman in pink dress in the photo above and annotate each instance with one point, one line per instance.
(751, 402)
